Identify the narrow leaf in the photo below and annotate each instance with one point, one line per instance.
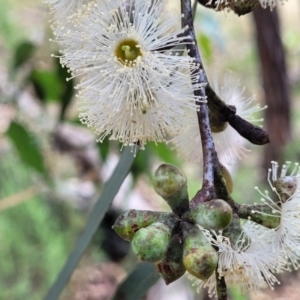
(67, 88)
(138, 282)
(27, 147)
(109, 191)
(23, 53)
(47, 85)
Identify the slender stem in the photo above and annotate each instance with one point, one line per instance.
(208, 148)
(221, 287)
(213, 183)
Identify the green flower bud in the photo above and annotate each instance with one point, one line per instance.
(227, 178)
(260, 214)
(216, 125)
(200, 258)
(151, 243)
(171, 266)
(130, 221)
(170, 183)
(214, 215)
(286, 187)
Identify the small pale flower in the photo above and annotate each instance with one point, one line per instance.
(135, 85)
(228, 142)
(286, 237)
(64, 7)
(247, 263)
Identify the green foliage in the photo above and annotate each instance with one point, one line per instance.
(27, 147)
(236, 295)
(109, 191)
(164, 153)
(141, 163)
(53, 86)
(11, 34)
(206, 46)
(33, 236)
(23, 53)
(104, 148)
(67, 88)
(135, 286)
(46, 84)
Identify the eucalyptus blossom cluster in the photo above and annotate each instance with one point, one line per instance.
(141, 80)
(176, 241)
(247, 245)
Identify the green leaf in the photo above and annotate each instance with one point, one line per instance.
(109, 191)
(138, 282)
(67, 88)
(141, 163)
(23, 53)
(165, 153)
(27, 147)
(206, 46)
(104, 148)
(47, 85)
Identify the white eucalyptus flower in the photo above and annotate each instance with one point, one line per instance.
(247, 263)
(228, 143)
(134, 87)
(63, 8)
(286, 187)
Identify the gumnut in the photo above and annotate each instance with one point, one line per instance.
(215, 214)
(151, 243)
(199, 258)
(216, 125)
(131, 221)
(171, 266)
(171, 183)
(227, 178)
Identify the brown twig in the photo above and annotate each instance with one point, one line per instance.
(208, 149)
(213, 185)
(226, 113)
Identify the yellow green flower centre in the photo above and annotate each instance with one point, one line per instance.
(127, 51)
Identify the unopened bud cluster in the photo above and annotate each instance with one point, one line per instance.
(175, 241)
(210, 241)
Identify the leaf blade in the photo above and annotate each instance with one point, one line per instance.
(135, 286)
(27, 147)
(109, 191)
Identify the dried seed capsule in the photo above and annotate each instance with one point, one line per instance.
(214, 215)
(171, 266)
(130, 221)
(170, 183)
(151, 243)
(200, 258)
